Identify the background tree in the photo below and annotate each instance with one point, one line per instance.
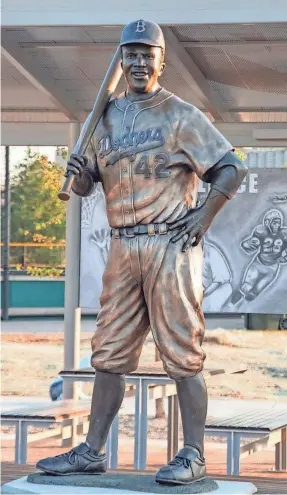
(241, 154)
(37, 215)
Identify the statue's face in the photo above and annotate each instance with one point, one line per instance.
(142, 65)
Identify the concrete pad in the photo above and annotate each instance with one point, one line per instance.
(147, 485)
(134, 482)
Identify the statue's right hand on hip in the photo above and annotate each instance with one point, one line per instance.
(76, 164)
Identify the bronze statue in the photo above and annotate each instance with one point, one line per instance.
(149, 150)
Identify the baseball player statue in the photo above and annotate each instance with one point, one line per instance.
(148, 151)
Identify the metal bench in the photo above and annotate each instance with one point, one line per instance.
(44, 416)
(149, 383)
(267, 425)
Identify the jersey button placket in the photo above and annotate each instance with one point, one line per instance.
(126, 171)
(126, 192)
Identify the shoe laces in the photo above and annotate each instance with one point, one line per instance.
(70, 456)
(180, 461)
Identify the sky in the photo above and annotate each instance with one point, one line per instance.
(17, 154)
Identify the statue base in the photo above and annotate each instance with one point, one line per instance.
(120, 483)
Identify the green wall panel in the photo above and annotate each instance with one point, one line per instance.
(35, 293)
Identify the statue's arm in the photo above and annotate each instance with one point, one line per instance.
(225, 178)
(84, 167)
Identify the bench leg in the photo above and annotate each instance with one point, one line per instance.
(281, 452)
(86, 424)
(21, 443)
(236, 454)
(277, 456)
(70, 439)
(229, 460)
(172, 429)
(284, 449)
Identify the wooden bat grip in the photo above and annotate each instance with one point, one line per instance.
(106, 90)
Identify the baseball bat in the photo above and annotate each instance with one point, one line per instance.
(107, 88)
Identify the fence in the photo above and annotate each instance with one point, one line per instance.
(25, 255)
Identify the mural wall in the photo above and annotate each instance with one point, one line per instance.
(245, 250)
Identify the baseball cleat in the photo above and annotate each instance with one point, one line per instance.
(80, 460)
(186, 468)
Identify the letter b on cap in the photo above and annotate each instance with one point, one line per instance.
(140, 27)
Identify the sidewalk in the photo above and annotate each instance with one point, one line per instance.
(55, 325)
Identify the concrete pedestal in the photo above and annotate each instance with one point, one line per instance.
(121, 483)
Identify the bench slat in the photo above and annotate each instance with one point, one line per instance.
(256, 413)
(50, 409)
(156, 370)
(239, 419)
(60, 410)
(264, 420)
(257, 419)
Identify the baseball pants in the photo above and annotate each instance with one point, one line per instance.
(149, 283)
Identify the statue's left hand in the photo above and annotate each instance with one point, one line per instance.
(194, 225)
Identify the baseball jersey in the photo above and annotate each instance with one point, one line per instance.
(271, 246)
(150, 155)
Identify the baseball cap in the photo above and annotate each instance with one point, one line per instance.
(141, 31)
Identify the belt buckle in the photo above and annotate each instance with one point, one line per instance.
(126, 234)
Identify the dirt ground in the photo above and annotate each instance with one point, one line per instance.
(37, 359)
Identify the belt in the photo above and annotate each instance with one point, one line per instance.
(149, 229)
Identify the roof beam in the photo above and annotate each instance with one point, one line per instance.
(39, 76)
(231, 110)
(69, 44)
(112, 12)
(185, 44)
(188, 69)
(228, 44)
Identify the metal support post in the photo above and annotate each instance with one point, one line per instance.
(6, 237)
(21, 443)
(236, 454)
(229, 461)
(72, 316)
(140, 424)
